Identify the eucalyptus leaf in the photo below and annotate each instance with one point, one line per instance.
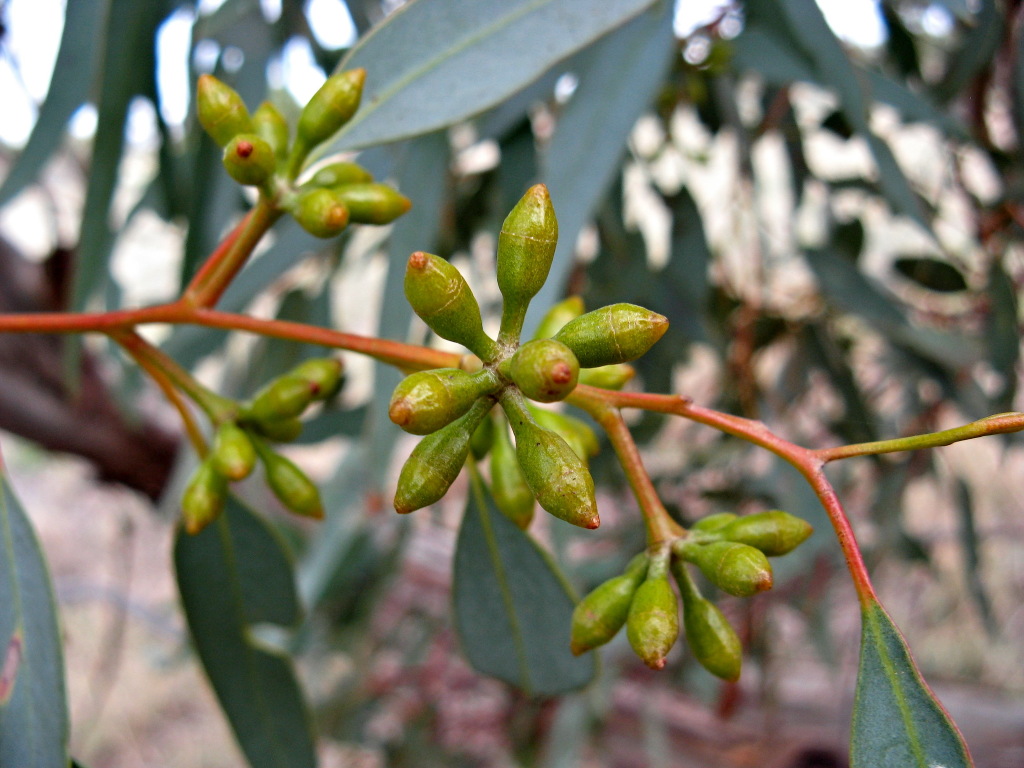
(127, 67)
(897, 721)
(33, 705)
(430, 65)
(513, 610)
(72, 74)
(233, 575)
(618, 79)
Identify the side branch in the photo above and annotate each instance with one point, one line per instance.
(661, 528)
(1001, 423)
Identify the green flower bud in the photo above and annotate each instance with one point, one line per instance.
(321, 212)
(336, 174)
(608, 376)
(428, 400)
(249, 159)
(290, 484)
(526, 246)
(331, 107)
(482, 440)
(437, 460)
(204, 497)
(599, 616)
(325, 374)
(220, 109)
(283, 398)
(442, 298)
(557, 476)
(652, 625)
(580, 437)
(511, 493)
(774, 532)
(279, 430)
(714, 522)
(560, 314)
(233, 454)
(614, 334)
(708, 633)
(545, 370)
(735, 568)
(373, 203)
(270, 125)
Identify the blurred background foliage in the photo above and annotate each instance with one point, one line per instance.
(834, 231)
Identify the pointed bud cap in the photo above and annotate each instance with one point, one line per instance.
(204, 498)
(708, 633)
(331, 107)
(526, 246)
(774, 532)
(428, 400)
(436, 461)
(735, 568)
(599, 616)
(220, 109)
(291, 486)
(545, 370)
(558, 477)
(326, 375)
(270, 125)
(652, 625)
(614, 334)
(286, 397)
(373, 203)
(321, 212)
(233, 454)
(249, 160)
(443, 300)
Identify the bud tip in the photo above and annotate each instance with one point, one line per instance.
(418, 260)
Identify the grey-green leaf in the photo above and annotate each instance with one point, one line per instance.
(232, 575)
(512, 608)
(69, 87)
(897, 721)
(33, 706)
(430, 65)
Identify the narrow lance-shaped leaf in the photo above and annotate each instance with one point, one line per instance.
(897, 721)
(233, 575)
(33, 708)
(513, 611)
(417, 56)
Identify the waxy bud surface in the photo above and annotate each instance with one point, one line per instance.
(220, 109)
(440, 295)
(545, 370)
(428, 400)
(614, 334)
(321, 212)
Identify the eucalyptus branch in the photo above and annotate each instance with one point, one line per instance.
(163, 381)
(661, 528)
(220, 268)
(1000, 423)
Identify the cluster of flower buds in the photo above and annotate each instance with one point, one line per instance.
(259, 152)
(731, 552)
(272, 415)
(549, 461)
